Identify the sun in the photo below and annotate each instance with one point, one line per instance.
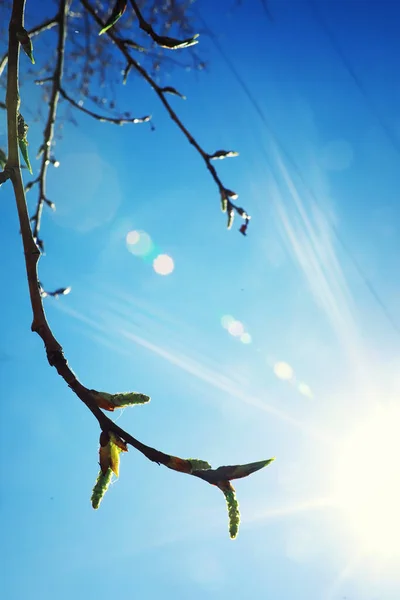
(366, 480)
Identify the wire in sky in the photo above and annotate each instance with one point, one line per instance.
(268, 13)
(363, 276)
(350, 69)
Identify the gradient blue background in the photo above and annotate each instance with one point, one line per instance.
(319, 173)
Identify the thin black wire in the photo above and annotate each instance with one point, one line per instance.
(267, 10)
(367, 282)
(350, 70)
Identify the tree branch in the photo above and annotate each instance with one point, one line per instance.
(48, 24)
(226, 195)
(162, 40)
(102, 118)
(45, 150)
(4, 176)
(40, 325)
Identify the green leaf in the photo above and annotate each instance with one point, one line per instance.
(26, 44)
(23, 146)
(233, 507)
(231, 216)
(226, 473)
(112, 401)
(224, 201)
(116, 447)
(244, 470)
(115, 15)
(174, 44)
(198, 464)
(23, 140)
(220, 154)
(171, 90)
(111, 446)
(114, 458)
(100, 487)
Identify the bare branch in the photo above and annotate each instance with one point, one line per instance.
(4, 175)
(45, 151)
(102, 118)
(162, 40)
(40, 325)
(111, 433)
(226, 195)
(54, 293)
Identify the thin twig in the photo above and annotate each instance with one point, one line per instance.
(102, 118)
(40, 325)
(4, 176)
(48, 24)
(61, 21)
(162, 40)
(226, 194)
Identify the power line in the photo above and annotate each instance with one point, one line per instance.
(367, 282)
(350, 70)
(266, 9)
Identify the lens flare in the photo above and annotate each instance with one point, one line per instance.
(139, 243)
(305, 390)
(283, 371)
(226, 321)
(163, 264)
(236, 328)
(245, 338)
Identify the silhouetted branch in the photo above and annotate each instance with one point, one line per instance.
(102, 118)
(54, 351)
(45, 149)
(227, 196)
(151, 54)
(55, 293)
(162, 40)
(111, 432)
(4, 175)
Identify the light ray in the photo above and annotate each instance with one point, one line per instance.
(107, 323)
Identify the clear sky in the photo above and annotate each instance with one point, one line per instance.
(314, 285)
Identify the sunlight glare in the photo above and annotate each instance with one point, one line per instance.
(139, 243)
(226, 321)
(236, 328)
(367, 482)
(245, 338)
(283, 371)
(163, 264)
(305, 390)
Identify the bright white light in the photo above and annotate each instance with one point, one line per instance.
(245, 338)
(305, 390)
(133, 237)
(163, 264)
(139, 243)
(226, 321)
(283, 371)
(367, 482)
(236, 328)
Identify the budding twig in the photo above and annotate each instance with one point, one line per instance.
(48, 24)
(102, 118)
(161, 93)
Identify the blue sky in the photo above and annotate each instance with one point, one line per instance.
(317, 387)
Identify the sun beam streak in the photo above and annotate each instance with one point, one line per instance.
(107, 323)
(284, 511)
(308, 235)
